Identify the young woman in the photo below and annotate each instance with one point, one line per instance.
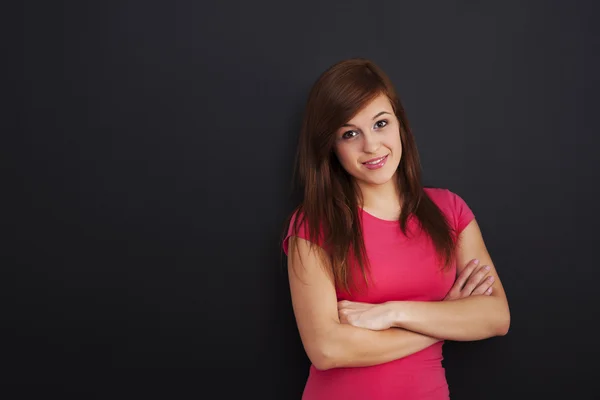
(381, 269)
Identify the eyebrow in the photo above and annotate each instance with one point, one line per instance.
(381, 113)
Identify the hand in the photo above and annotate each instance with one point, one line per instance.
(471, 281)
(376, 317)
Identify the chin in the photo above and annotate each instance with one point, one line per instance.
(377, 181)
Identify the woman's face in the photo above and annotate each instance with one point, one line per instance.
(368, 146)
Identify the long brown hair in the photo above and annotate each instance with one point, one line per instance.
(329, 209)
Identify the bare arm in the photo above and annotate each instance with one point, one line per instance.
(469, 318)
(327, 342)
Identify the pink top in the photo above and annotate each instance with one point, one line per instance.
(402, 269)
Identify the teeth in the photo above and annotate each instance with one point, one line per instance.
(376, 161)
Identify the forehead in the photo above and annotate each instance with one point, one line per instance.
(374, 107)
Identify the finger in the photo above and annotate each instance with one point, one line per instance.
(475, 280)
(487, 292)
(484, 286)
(465, 274)
(353, 305)
(356, 303)
(343, 316)
(345, 304)
(346, 317)
(454, 292)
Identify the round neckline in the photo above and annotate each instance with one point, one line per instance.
(394, 222)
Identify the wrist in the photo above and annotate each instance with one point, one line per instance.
(395, 313)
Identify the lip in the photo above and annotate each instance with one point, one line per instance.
(380, 163)
(377, 158)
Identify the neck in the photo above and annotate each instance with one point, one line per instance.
(381, 199)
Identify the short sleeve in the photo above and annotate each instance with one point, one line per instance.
(463, 215)
(303, 233)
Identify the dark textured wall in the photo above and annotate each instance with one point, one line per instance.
(149, 173)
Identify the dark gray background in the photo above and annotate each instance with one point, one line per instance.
(149, 177)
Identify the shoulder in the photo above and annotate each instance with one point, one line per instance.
(437, 194)
(299, 226)
(452, 205)
(442, 197)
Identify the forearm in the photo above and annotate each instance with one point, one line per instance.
(349, 346)
(469, 318)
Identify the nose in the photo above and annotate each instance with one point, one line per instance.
(371, 142)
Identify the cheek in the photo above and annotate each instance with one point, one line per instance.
(394, 141)
(345, 154)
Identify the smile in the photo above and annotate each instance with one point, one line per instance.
(375, 161)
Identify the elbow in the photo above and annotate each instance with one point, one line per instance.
(503, 325)
(504, 328)
(323, 359)
(322, 363)
(324, 356)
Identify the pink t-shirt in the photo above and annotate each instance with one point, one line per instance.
(402, 269)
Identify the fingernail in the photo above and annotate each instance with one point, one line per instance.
(476, 261)
(491, 279)
(489, 290)
(487, 267)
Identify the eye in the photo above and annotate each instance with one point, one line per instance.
(349, 134)
(381, 124)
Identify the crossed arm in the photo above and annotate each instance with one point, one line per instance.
(356, 334)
